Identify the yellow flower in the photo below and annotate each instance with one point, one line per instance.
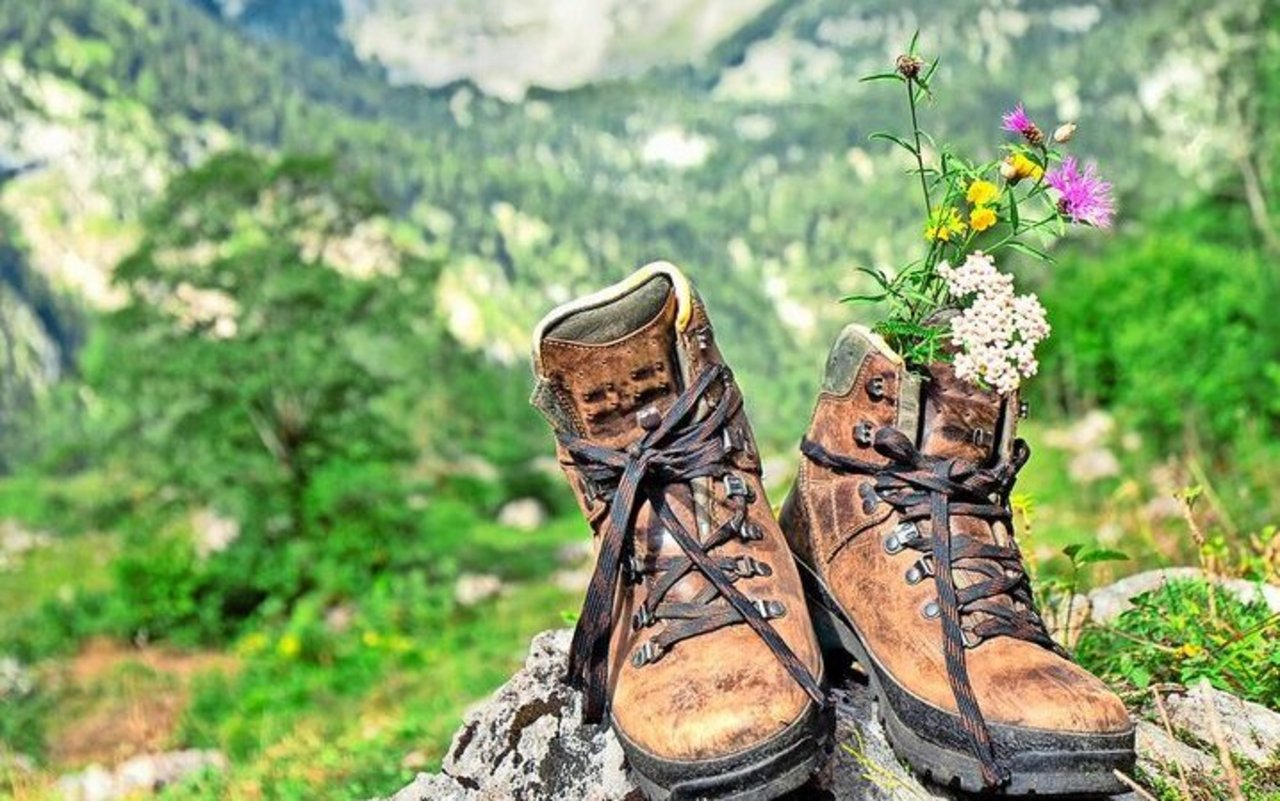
(945, 224)
(982, 193)
(371, 639)
(289, 646)
(1018, 166)
(982, 218)
(253, 644)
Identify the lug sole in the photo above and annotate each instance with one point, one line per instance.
(931, 740)
(762, 773)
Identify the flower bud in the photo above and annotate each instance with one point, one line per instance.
(909, 66)
(1008, 171)
(1065, 133)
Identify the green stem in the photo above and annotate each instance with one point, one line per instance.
(915, 130)
(1026, 228)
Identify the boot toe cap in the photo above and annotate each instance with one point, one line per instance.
(707, 703)
(1027, 686)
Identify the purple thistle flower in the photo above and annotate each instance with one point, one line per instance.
(1083, 197)
(1017, 121)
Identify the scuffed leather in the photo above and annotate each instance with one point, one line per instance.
(717, 693)
(834, 530)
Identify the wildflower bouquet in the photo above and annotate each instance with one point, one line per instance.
(954, 303)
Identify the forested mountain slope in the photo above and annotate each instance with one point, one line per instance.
(750, 164)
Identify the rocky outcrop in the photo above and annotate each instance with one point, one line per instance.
(142, 774)
(528, 743)
(1108, 603)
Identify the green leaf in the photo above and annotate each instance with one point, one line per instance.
(928, 73)
(876, 275)
(881, 76)
(1014, 220)
(1023, 247)
(897, 140)
(915, 38)
(864, 298)
(1071, 550)
(1102, 555)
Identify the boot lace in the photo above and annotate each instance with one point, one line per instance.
(675, 449)
(923, 488)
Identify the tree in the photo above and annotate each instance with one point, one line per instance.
(270, 307)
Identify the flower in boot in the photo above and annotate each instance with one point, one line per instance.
(982, 218)
(909, 66)
(1018, 166)
(1083, 197)
(943, 225)
(1017, 121)
(998, 332)
(982, 193)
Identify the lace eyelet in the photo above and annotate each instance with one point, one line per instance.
(749, 567)
(875, 388)
(862, 434)
(870, 498)
(899, 537)
(732, 440)
(770, 610)
(643, 618)
(647, 654)
(750, 532)
(918, 572)
(633, 570)
(931, 610)
(735, 486)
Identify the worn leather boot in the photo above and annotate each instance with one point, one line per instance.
(900, 518)
(694, 641)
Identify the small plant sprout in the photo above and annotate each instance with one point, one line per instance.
(975, 212)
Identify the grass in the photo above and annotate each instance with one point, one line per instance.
(1184, 632)
(304, 706)
(308, 706)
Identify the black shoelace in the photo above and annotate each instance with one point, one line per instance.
(675, 449)
(921, 487)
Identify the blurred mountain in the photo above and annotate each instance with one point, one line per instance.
(548, 145)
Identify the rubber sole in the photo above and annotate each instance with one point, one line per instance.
(762, 773)
(932, 742)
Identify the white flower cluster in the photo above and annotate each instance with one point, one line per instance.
(999, 331)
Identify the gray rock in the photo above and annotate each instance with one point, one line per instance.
(16, 681)
(524, 514)
(12, 764)
(1248, 729)
(1108, 603)
(474, 588)
(1162, 755)
(528, 743)
(1093, 465)
(142, 774)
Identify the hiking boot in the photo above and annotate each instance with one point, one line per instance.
(900, 518)
(694, 641)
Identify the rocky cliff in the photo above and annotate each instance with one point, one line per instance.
(528, 742)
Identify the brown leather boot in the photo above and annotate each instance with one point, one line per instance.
(694, 639)
(900, 517)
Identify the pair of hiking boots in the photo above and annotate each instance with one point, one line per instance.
(702, 637)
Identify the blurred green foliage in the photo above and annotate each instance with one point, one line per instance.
(362, 453)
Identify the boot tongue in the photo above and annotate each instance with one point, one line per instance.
(616, 362)
(960, 420)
